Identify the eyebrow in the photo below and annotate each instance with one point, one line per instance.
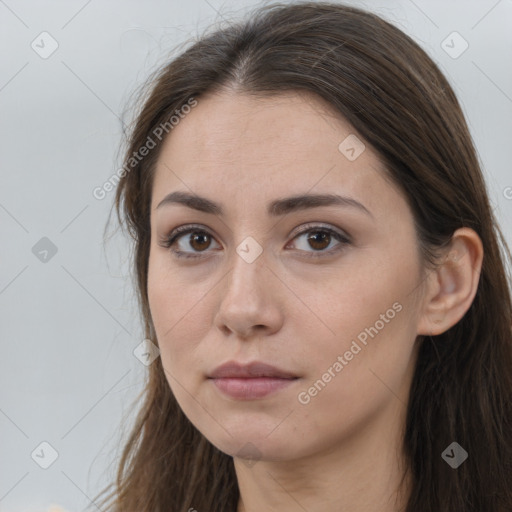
(275, 208)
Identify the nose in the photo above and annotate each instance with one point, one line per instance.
(250, 303)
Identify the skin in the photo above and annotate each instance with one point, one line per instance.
(342, 450)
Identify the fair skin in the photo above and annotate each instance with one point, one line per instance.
(339, 450)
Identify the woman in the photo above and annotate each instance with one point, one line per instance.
(319, 265)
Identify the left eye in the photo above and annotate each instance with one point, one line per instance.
(319, 239)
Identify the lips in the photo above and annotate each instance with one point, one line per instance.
(236, 370)
(251, 381)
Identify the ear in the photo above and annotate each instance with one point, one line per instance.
(451, 287)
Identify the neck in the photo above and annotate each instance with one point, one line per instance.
(363, 473)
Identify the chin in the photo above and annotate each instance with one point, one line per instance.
(253, 442)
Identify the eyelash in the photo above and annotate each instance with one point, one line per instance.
(169, 240)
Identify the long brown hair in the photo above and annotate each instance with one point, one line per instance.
(394, 95)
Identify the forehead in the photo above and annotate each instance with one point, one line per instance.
(252, 149)
(230, 125)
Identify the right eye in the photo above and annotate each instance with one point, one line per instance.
(199, 241)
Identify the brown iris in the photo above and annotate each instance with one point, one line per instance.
(199, 238)
(319, 237)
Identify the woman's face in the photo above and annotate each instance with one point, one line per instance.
(326, 292)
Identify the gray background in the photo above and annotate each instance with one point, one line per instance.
(69, 322)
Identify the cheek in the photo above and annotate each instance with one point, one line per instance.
(367, 316)
(349, 381)
(337, 305)
(179, 313)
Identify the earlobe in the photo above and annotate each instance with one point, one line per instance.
(452, 285)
